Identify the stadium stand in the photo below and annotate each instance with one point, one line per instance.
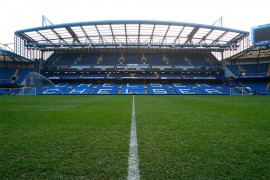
(249, 70)
(106, 88)
(134, 88)
(78, 88)
(13, 69)
(113, 59)
(180, 61)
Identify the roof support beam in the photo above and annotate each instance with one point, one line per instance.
(178, 36)
(205, 37)
(100, 37)
(139, 33)
(151, 38)
(192, 33)
(165, 34)
(58, 35)
(73, 34)
(126, 33)
(112, 34)
(27, 38)
(216, 40)
(236, 38)
(8, 56)
(44, 37)
(88, 38)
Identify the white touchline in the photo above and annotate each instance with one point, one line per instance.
(133, 161)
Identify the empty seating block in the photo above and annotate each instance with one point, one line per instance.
(249, 69)
(105, 88)
(158, 88)
(210, 89)
(79, 88)
(185, 89)
(132, 88)
(13, 76)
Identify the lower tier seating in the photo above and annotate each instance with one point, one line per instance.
(250, 87)
(139, 88)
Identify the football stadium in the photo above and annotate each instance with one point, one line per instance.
(136, 57)
(135, 99)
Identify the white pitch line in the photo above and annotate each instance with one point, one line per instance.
(133, 161)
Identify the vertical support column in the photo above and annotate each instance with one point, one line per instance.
(15, 44)
(40, 62)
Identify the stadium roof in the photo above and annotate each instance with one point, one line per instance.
(254, 52)
(131, 33)
(7, 56)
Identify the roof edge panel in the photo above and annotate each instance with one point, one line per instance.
(129, 22)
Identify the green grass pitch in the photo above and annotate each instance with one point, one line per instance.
(179, 137)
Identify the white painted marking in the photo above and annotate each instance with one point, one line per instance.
(133, 161)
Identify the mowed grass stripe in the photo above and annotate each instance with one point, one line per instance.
(64, 137)
(203, 137)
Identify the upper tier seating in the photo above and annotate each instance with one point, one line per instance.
(249, 69)
(113, 59)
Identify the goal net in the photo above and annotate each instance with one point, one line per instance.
(239, 91)
(18, 91)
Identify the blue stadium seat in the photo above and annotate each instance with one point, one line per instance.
(210, 89)
(105, 88)
(185, 88)
(79, 88)
(132, 88)
(249, 70)
(158, 88)
(13, 76)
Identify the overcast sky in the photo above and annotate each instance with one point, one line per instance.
(237, 14)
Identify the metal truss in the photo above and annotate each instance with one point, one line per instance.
(130, 34)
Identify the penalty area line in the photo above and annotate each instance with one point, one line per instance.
(133, 161)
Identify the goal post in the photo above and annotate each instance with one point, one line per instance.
(28, 91)
(18, 91)
(239, 91)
